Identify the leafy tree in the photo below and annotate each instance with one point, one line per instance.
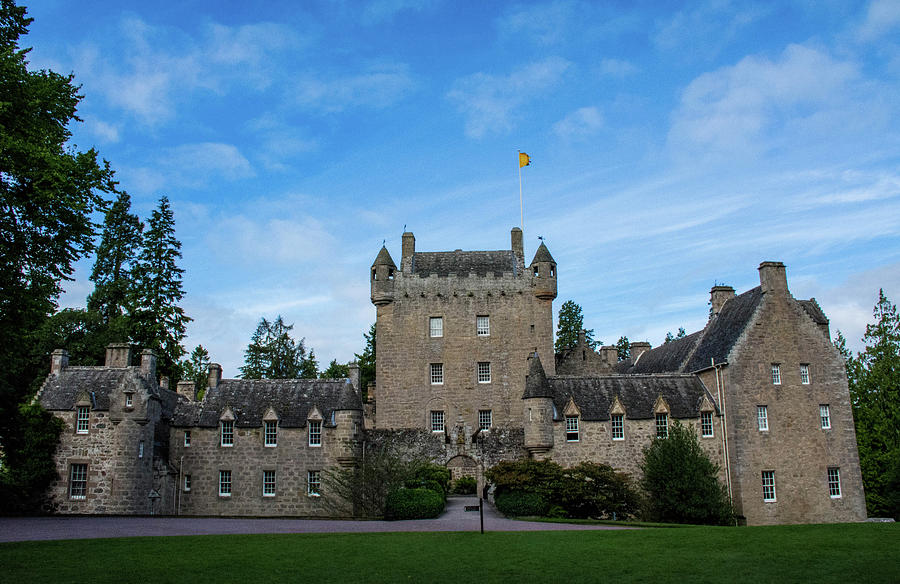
(48, 192)
(116, 257)
(196, 369)
(335, 371)
(681, 481)
(159, 322)
(623, 347)
(874, 378)
(82, 333)
(366, 362)
(569, 324)
(670, 337)
(274, 354)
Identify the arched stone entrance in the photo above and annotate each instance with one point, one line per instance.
(466, 466)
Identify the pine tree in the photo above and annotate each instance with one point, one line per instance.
(670, 337)
(273, 354)
(366, 361)
(196, 369)
(569, 324)
(159, 322)
(335, 370)
(116, 258)
(623, 348)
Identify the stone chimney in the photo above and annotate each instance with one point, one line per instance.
(638, 349)
(772, 277)
(582, 338)
(609, 354)
(518, 247)
(118, 355)
(409, 248)
(354, 375)
(148, 363)
(215, 375)
(59, 360)
(187, 389)
(718, 296)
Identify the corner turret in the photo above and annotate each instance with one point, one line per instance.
(538, 409)
(382, 279)
(543, 272)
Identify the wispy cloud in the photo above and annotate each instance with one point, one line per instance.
(581, 123)
(378, 11)
(378, 86)
(882, 16)
(489, 102)
(546, 24)
(706, 27)
(617, 67)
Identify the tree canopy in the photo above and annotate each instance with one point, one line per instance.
(274, 354)
(366, 361)
(569, 324)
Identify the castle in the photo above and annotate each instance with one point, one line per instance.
(467, 377)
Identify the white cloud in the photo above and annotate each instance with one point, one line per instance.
(706, 27)
(379, 86)
(281, 143)
(881, 17)
(194, 164)
(580, 123)
(289, 240)
(378, 11)
(489, 101)
(617, 67)
(105, 131)
(546, 24)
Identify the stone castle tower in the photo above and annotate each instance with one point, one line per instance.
(455, 330)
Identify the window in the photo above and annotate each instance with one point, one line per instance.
(776, 374)
(825, 416)
(224, 483)
(571, 428)
(483, 326)
(268, 483)
(762, 418)
(834, 482)
(78, 481)
(768, 485)
(271, 433)
(437, 421)
(485, 419)
(227, 433)
(187, 483)
(804, 374)
(436, 326)
(83, 422)
(662, 425)
(706, 424)
(141, 449)
(187, 438)
(437, 374)
(129, 400)
(484, 372)
(315, 433)
(313, 483)
(618, 427)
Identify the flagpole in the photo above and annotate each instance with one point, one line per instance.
(521, 204)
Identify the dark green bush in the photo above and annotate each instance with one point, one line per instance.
(419, 503)
(595, 490)
(465, 486)
(429, 471)
(520, 503)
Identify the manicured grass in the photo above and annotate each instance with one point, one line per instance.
(818, 553)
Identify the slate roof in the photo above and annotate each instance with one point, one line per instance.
(462, 263)
(536, 380)
(668, 357)
(724, 330)
(61, 391)
(814, 311)
(384, 258)
(542, 255)
(250, 399)
(595, 395)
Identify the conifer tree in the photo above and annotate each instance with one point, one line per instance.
(623, 348)
(116, 257)
(335, 370)
(366, 361)
(160, 322)
(569, 324)
(274, 354)
(196, 369)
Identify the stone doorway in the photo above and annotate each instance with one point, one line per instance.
(465, 466)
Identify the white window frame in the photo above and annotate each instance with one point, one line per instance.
(437, 421)
(315, 433)
(141, 449)
(834, 482)
(485, 420)
(825, 416)
(226, 433)
(804, 373)
(706, 425)
(129, 399)
(186, 487)
(662, 425)
(483, 326)
(768, 486)
(762, 418)
(617, 426)
(78, 475)
(270, 433)
(776, 373)
(313, 483)
(83, 420)
(436, 327)
(437, 373)
(484, 372)
(224, 483)
(572, 432)
(268, 483)
(187, 438)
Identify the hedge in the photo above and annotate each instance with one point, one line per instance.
(420, 503)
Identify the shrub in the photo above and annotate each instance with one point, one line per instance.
(526, 475)
(465, 486)
(520, 503)
(419, 503)
(682, 483)
(595, 490)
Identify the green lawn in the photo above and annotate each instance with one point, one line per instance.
(819, 553)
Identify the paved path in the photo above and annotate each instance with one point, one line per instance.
(454, 518)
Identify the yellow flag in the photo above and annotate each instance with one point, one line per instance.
(524, 159)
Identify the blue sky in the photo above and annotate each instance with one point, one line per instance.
(673, 148)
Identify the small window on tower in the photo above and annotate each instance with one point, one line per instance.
(436, 326)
